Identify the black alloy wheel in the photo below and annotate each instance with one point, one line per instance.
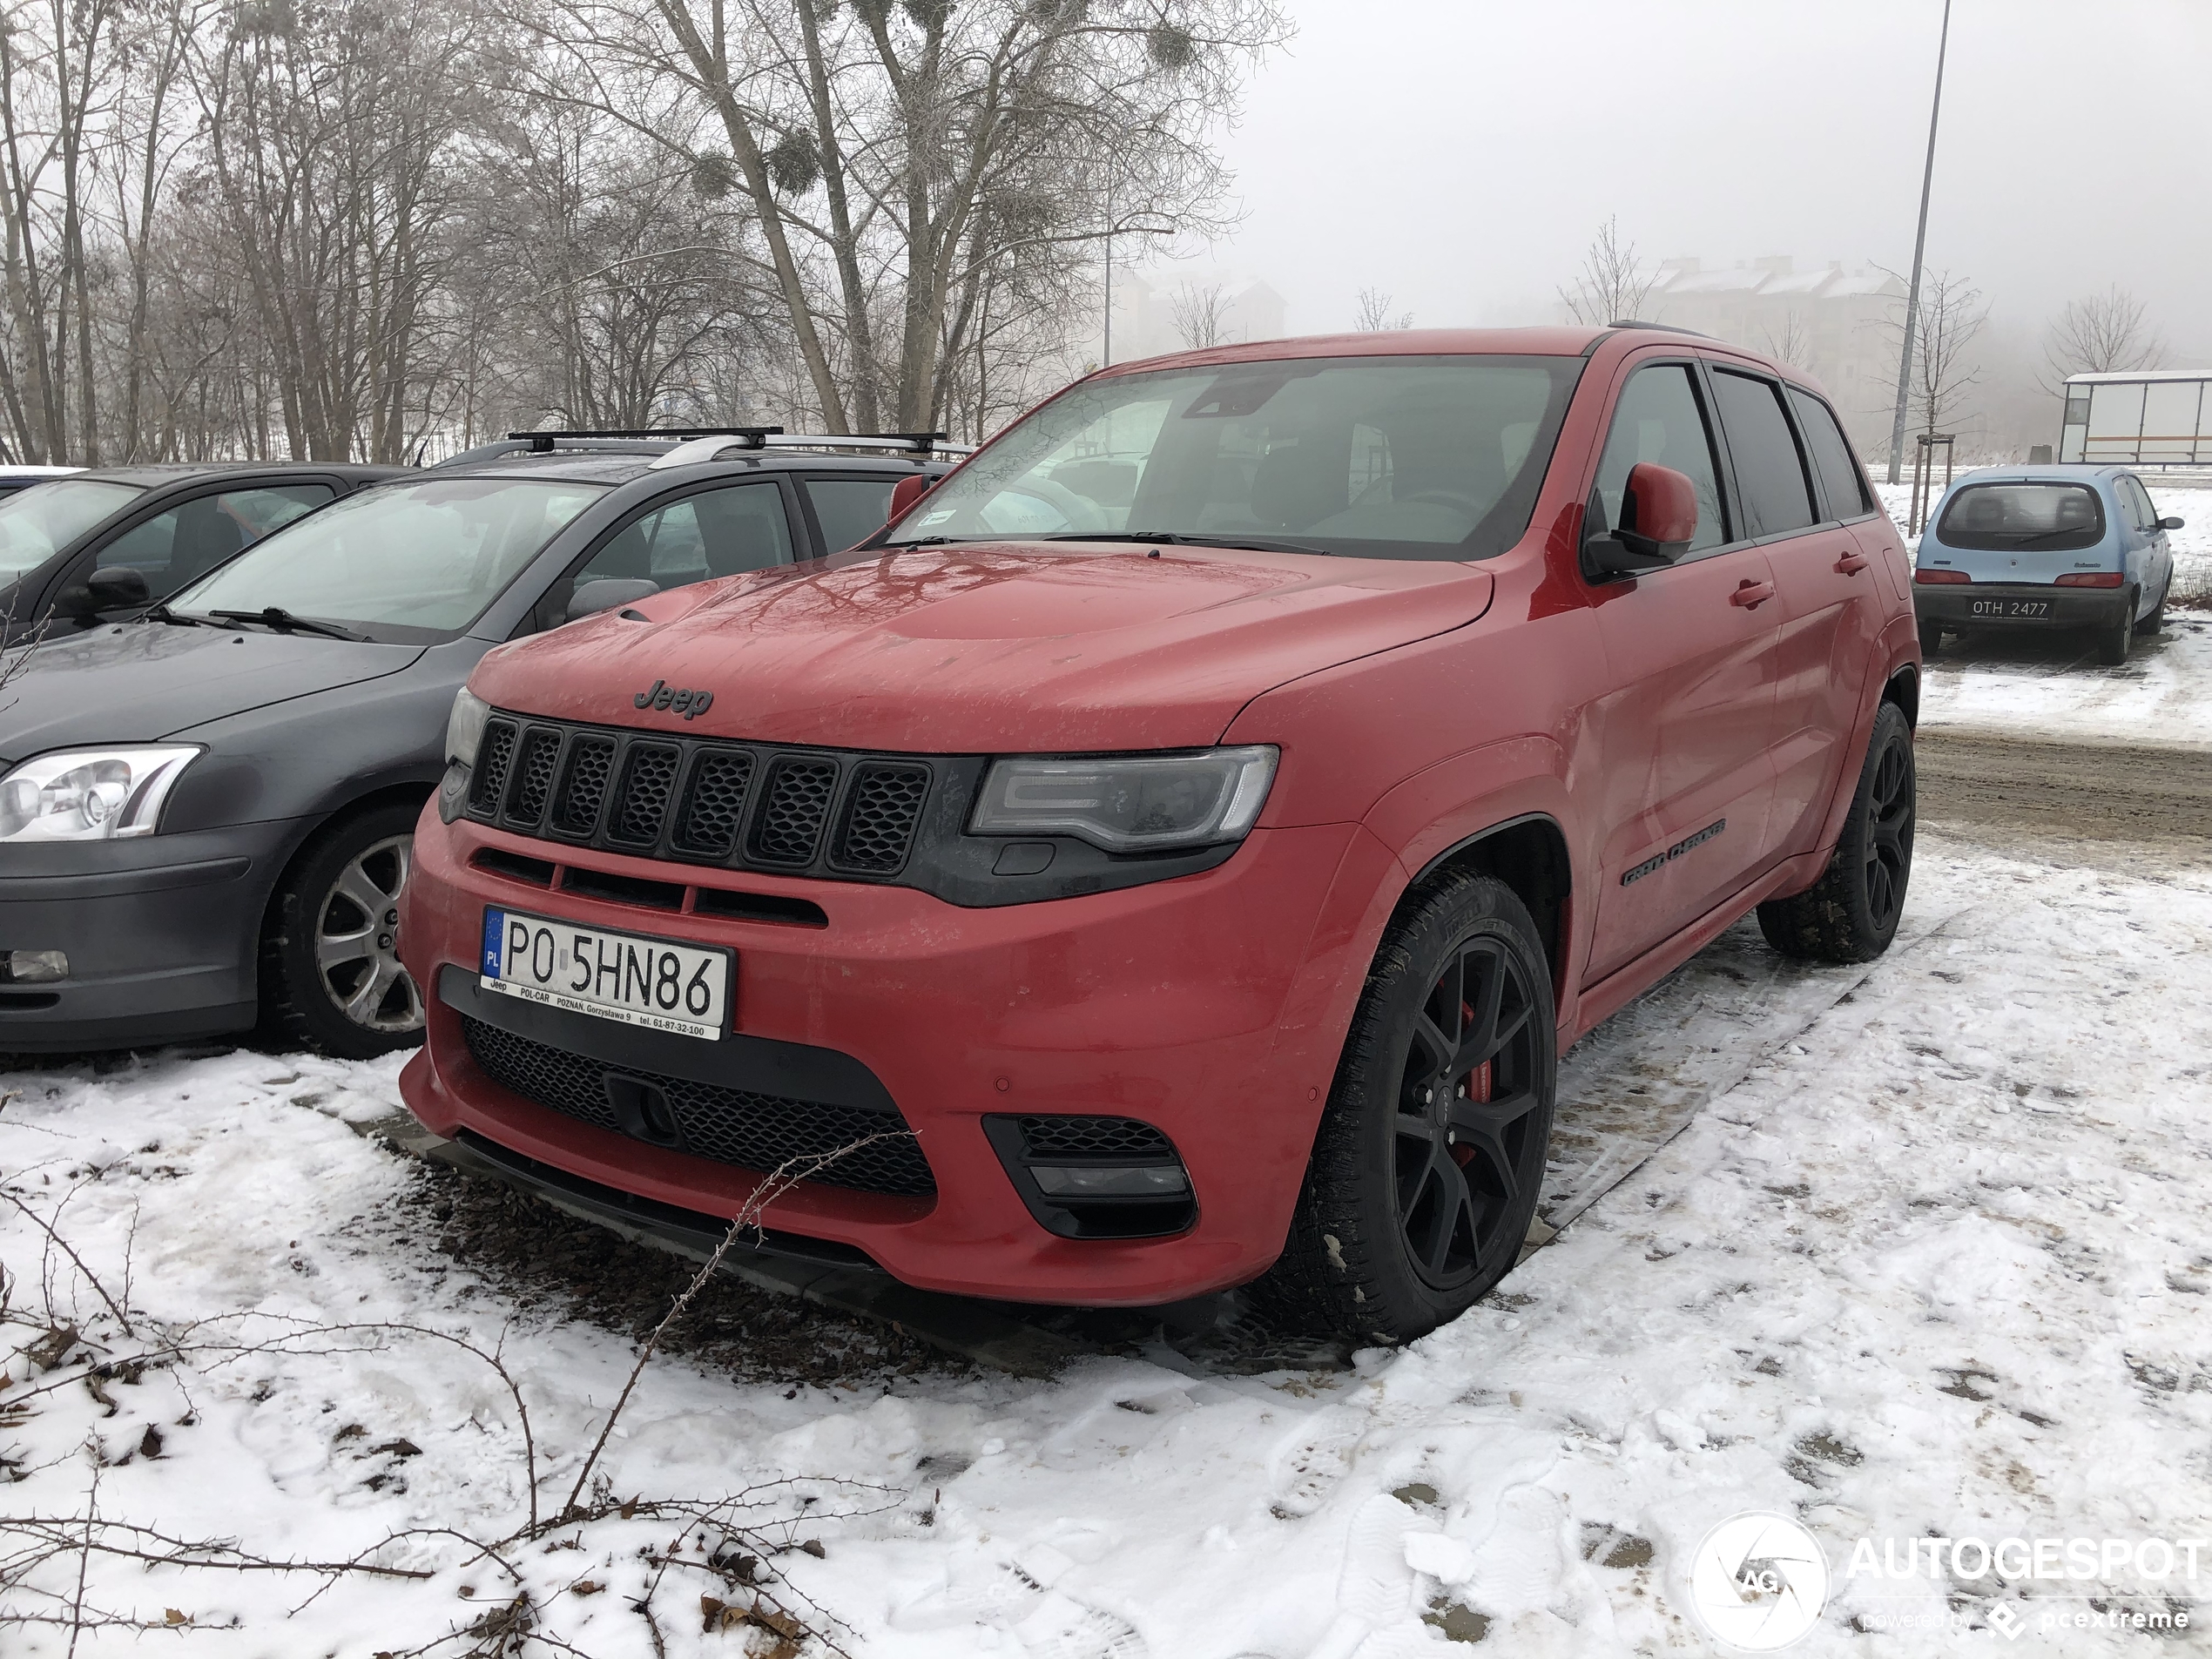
(1461, 1153)
(1431, 1153)
(1851, 912)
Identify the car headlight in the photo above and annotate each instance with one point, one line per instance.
(1129, 803)
(465, 727)
(90, 794)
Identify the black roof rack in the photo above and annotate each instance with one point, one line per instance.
(541, 441)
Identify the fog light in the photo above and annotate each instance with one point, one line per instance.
(1092, 1181)
(37, 967)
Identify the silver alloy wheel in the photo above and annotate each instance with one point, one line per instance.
(357, 940)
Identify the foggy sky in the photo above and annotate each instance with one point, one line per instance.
(1460, 153)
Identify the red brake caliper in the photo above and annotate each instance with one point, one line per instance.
(1475, 1087)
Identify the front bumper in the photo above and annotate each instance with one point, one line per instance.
(1964, 605)
(1204, 1006)
(162, 933)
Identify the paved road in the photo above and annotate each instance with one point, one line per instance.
(2097, 791)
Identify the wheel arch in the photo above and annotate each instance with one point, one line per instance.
(401, 794)
(1902, 688)
(1528, 853)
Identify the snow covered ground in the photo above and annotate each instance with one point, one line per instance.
(1938, 1266)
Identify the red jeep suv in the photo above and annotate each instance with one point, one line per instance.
(1175, 851)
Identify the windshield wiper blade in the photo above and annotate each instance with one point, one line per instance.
(159, 611)
(1178, 538)
(277, 618)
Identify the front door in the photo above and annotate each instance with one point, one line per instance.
(1686, 784)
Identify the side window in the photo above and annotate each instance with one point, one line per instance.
(1770, 473)
(1659, 419)
(716, 532)
(193, 537)
(1840, 475)
(2138, 504)
(849, 509)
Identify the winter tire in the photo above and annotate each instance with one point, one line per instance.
(1931, 639)
(1431, 1153)
(2115, 639)
(1851, 912)
(330, 968)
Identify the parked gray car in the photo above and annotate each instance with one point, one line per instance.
(206, 812)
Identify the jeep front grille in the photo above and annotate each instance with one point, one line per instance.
(746, 806)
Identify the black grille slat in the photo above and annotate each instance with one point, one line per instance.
(1093, 1137)
(533, 781)
(642, 797)
(494, 751)
(713, 804)
(880, 820)
(706, 800)
(735, 1126)
(796, 800)
(583, 784)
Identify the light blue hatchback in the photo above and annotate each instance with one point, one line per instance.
(2045, 547)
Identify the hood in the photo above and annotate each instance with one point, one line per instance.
(996, 649)
(138, 682)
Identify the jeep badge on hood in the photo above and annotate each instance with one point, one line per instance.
(686, 702)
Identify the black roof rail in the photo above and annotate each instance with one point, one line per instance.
(542, 440)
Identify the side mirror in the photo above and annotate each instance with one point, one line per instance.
(908, 490)
(606, 593)
(2169, 523)
(116, 586)
(1658, 522)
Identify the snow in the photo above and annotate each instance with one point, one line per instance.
(1933, 1259)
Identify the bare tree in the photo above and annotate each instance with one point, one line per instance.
(2102, 334)
(1200, 315)
(1790, 342)
(1612, 284)
(1944, 374)
(1374, 316)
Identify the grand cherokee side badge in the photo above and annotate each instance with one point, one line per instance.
(685, 702)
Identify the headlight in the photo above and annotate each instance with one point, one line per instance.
(465, 726)
(1129, 803)
(90, 794)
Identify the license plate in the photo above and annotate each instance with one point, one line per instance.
(2002, 607)
(625, 977)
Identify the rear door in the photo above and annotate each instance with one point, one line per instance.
(1685, 781)
(2156, 557)
(1828, 612)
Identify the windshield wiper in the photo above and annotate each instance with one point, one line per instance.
(1177, 538)
(277, 618)
(159, 611)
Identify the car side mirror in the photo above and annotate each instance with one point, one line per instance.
(2169, 523)
(117, 587)
(606, 593)
(906, 492)
(1658, 522)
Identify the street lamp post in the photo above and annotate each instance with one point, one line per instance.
(1920, 248)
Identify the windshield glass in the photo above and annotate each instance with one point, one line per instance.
(2047, 517)
(1380, 458)
(400, 562)
(37, 522)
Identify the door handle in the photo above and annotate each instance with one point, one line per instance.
(1751, 595)
(1850, 565)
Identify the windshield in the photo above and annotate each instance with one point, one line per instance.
(37, 522)
(402, 562)
(2047, 517)
(1377, 458)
